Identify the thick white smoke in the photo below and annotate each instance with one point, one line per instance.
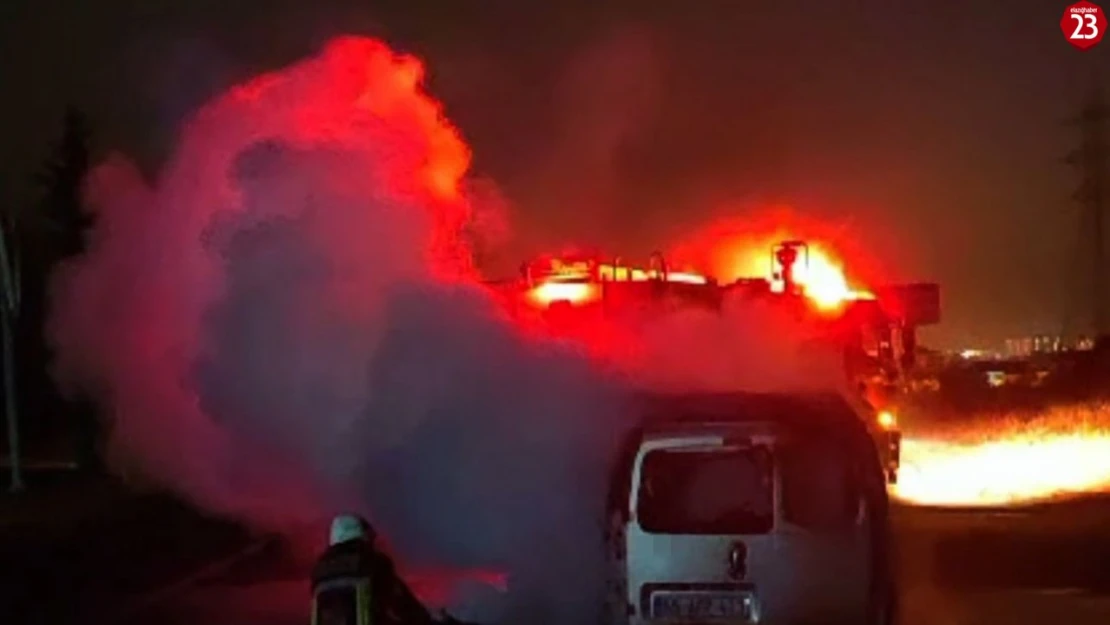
(472, 445)
(746, 346)
(286, 323)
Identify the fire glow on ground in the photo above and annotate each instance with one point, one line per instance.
(1001, 461)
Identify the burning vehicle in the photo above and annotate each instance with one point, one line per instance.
(875, 332)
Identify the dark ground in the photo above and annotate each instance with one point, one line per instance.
(87, 550)
(1045, 565)
(83, 549)
(1031, 566)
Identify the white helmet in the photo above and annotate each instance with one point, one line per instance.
(347, 527)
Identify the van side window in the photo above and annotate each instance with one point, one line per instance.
(819, 485)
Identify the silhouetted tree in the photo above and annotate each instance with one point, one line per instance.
(54, 232)
(62, 180)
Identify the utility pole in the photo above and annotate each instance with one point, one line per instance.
(9, 314)
(1090, 160)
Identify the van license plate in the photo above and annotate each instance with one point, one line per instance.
(701, 605)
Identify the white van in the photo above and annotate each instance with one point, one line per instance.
(749, 508)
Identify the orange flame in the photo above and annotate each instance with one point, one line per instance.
(572, 292)
(824, 280)
(887, 420)
(1064, 452)
(572, 282)
(741, 247)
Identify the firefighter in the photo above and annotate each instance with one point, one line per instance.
(354, 583)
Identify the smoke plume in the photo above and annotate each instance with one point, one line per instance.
(747, 346)
(287, 322)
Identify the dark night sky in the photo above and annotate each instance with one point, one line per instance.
(934, 127)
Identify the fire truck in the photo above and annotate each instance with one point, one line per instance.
(875, 331)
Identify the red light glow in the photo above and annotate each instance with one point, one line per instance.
(573, 292)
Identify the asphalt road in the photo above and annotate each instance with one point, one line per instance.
(80, 548)
(264, 586)
(1039, 565)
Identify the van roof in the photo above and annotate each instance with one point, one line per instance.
(805, 410)
(822, 414)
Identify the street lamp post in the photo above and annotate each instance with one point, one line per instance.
(9, 311)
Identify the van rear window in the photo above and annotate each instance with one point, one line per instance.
(706, 492)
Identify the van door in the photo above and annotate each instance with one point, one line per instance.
(700, 547)
(826, 527)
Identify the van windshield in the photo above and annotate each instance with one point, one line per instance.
(706, 491)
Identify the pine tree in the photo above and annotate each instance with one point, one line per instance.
(62, 179)
(56, 230)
